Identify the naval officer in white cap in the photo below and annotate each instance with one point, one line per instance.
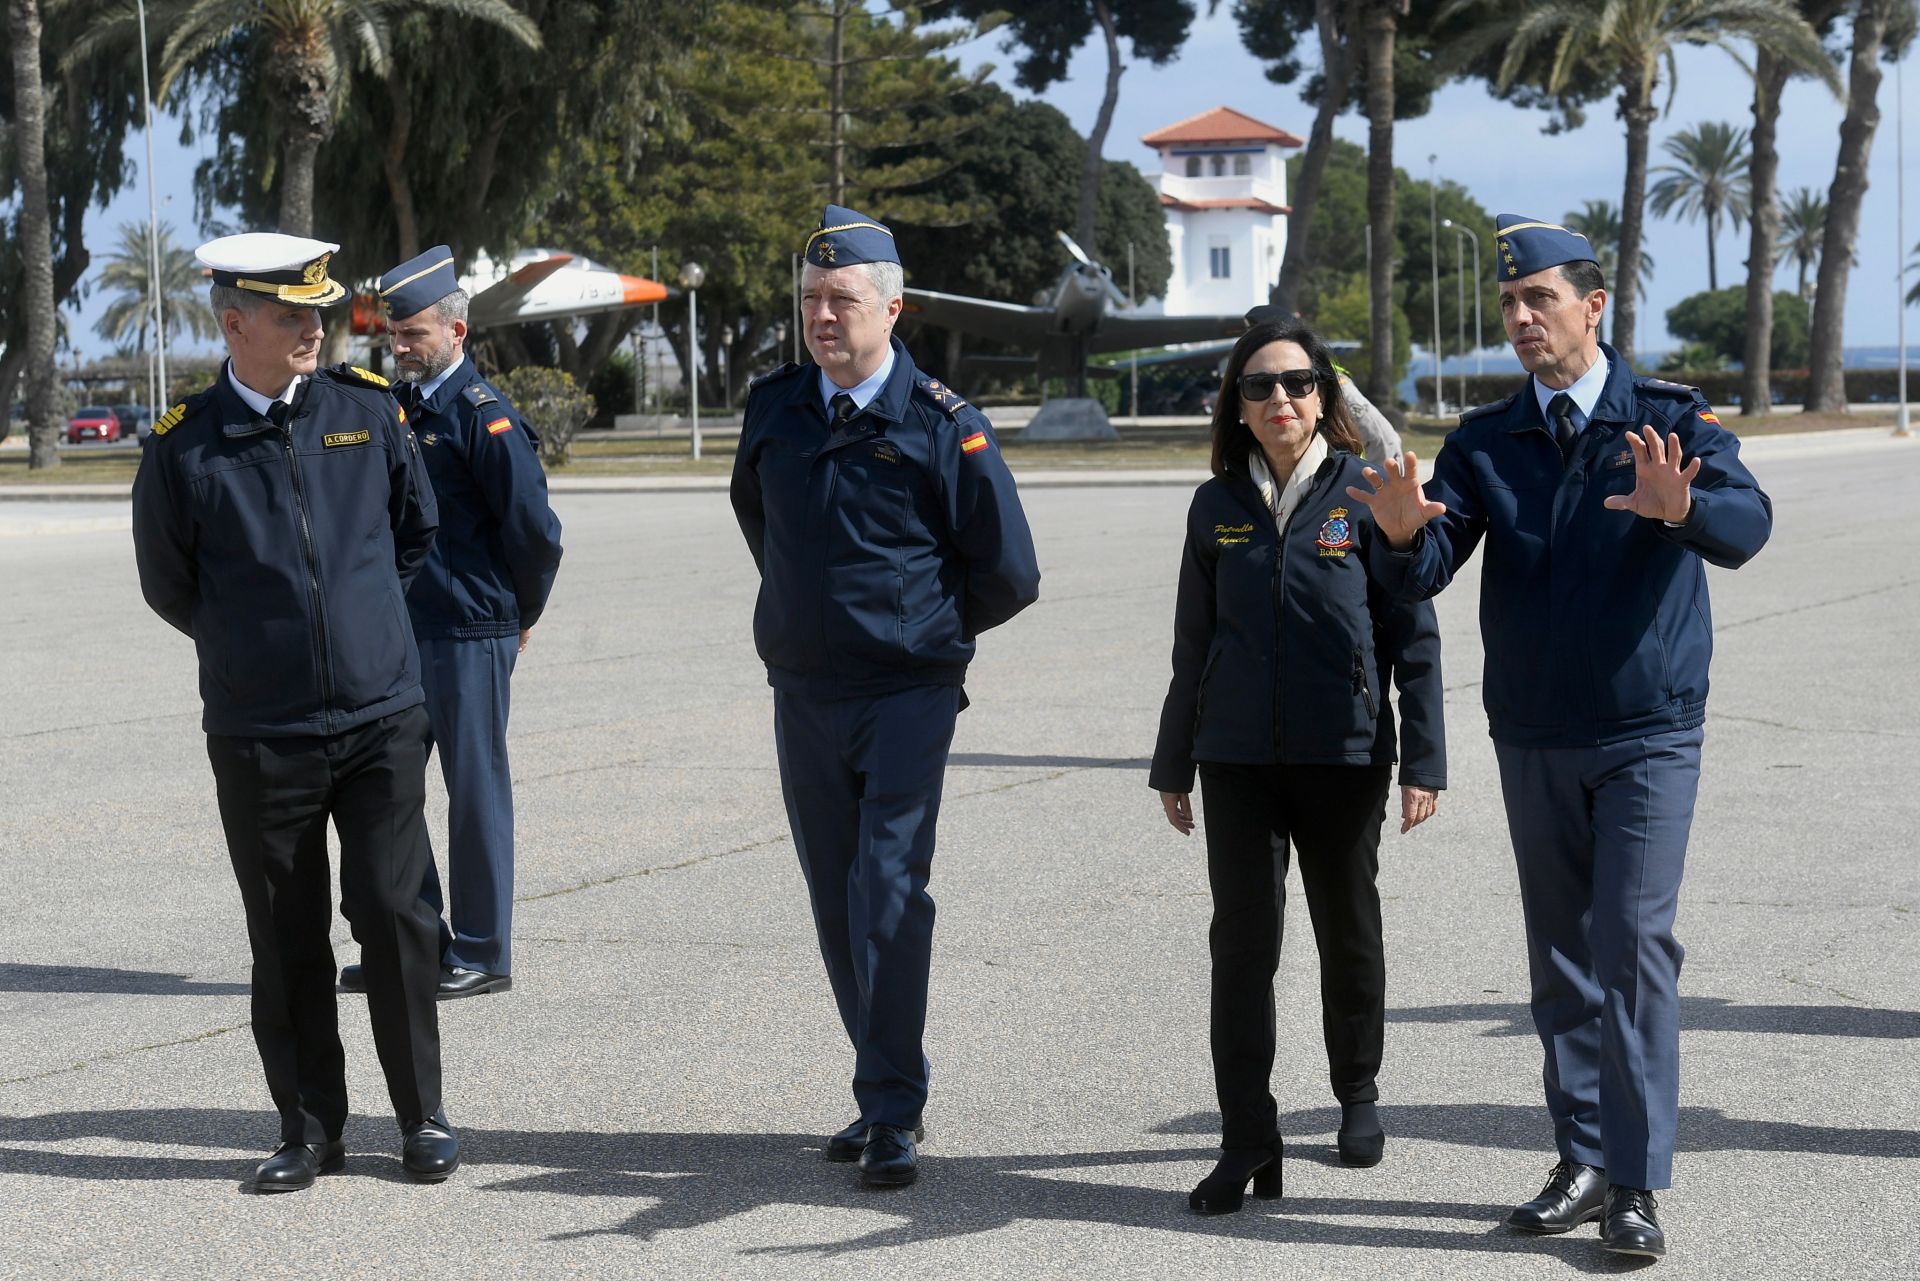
(278, 516)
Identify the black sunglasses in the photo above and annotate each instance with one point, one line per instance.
(1295, 382)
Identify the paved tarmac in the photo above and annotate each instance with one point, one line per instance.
(649, 1099)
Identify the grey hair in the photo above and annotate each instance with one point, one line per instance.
(228, 297)
(451, 308)
(888, 279)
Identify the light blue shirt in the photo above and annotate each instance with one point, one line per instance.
(1585, 392)
(862, 392)
(434, 383)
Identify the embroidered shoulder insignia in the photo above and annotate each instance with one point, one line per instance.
(943, 396)
(169, 420)
(481, 394)
(359, 375)
(1668, 388)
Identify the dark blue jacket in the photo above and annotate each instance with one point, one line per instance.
(884, 549)
(492, 567)
(1595, 622)
(1283, 645)
(285, 552)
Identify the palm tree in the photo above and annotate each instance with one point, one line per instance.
(1803, 221)
(1599, 222)
(302, 48)
(1638, 38)
(1710, 180)
(128, 272)
(36, 229)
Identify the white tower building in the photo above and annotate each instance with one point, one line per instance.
(1223, 185)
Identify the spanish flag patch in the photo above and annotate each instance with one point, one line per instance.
(403, 412)
(499, 425)
(1708, 416)
(974, 444)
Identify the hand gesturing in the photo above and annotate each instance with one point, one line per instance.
(1662, 488)
(1399, 507)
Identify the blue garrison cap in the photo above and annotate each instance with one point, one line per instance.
(1527, 245)
(846, 238)
(418, 283)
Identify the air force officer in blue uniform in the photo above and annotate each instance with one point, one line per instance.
(1601, 496)
(888, 535)
(473, 604)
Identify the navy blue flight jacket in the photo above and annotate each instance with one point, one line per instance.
(492, 567)
(883, 549)
(1595, 622)
(1283, 643)
(284, 553)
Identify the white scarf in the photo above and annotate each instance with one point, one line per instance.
(1282, 499)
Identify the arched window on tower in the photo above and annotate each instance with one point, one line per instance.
(1193, 166)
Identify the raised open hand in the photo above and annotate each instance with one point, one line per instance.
(1662, 488)
(1398, 505)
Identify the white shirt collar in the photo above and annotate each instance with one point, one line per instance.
(1585, 391)
(862, 392)
(255, 401)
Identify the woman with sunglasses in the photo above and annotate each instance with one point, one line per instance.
(1283, 647)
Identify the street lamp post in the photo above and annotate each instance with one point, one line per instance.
(153, 232)
(1900, 427)
(1459, 267)
(692, 276)
(1433, 261)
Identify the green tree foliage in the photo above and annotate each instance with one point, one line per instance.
(127, 273)
(1717, 320)
(553, 404)
(1709, 180)
(300, 53)
(1046, 34)
(86, 106)
(1803, 225)
(1599, 222)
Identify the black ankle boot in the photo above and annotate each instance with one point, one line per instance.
(1361, 1140)
(1222, 1191)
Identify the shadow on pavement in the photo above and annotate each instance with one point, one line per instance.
(678, 1182)
(1702, 1014)
(1004, 761)
(94, 978)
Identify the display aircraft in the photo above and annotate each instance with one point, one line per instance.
(536, 284)
(1083, 314)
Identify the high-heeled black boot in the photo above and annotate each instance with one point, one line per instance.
(1361, 1140)
(1222, 1191)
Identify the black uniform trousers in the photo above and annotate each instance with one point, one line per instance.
(276, 795)
(1332, 814)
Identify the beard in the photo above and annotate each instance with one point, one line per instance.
(431, 365)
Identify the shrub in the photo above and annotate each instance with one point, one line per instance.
(553, 405)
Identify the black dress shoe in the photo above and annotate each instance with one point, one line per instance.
(889, 1159)
(294, 1165)
(1574, 1195)
(353, 978)
(1224, 1191)
(431, 1151)
(1361, 1140)
(456, 983)
(1629, 1226)
(852, 1141)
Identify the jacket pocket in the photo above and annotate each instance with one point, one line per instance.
(1200, 696)
(1361, 687)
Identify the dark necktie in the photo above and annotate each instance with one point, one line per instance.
(409, 394)
(1560, 412)
(840, 409)
(278, 413)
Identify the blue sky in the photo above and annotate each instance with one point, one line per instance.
(1495, 151)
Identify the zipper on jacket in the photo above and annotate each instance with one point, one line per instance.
(1279, 628)
(313, 581)
(1360, 684)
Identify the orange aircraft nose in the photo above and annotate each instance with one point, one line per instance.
(638, 291)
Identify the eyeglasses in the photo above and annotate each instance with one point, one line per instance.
(1295, 382)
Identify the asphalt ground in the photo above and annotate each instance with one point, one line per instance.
(650, 1098)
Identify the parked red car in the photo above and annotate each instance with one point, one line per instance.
(95, 422)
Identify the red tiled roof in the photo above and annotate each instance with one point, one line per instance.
(1240, 202)
(1222, 124)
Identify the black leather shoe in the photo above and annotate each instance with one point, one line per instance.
(295, 1165)
(1361, 1140)
(852, 1141)
(889, 1159)
(1628, 1225)
(353, 978)
(456, 983)
(1574, 1195)
(431, 1151)
(1224, 1191)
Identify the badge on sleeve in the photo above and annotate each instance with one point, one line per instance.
(499, 425)
(1336, 534)
(974, 444)
(1708, 416)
